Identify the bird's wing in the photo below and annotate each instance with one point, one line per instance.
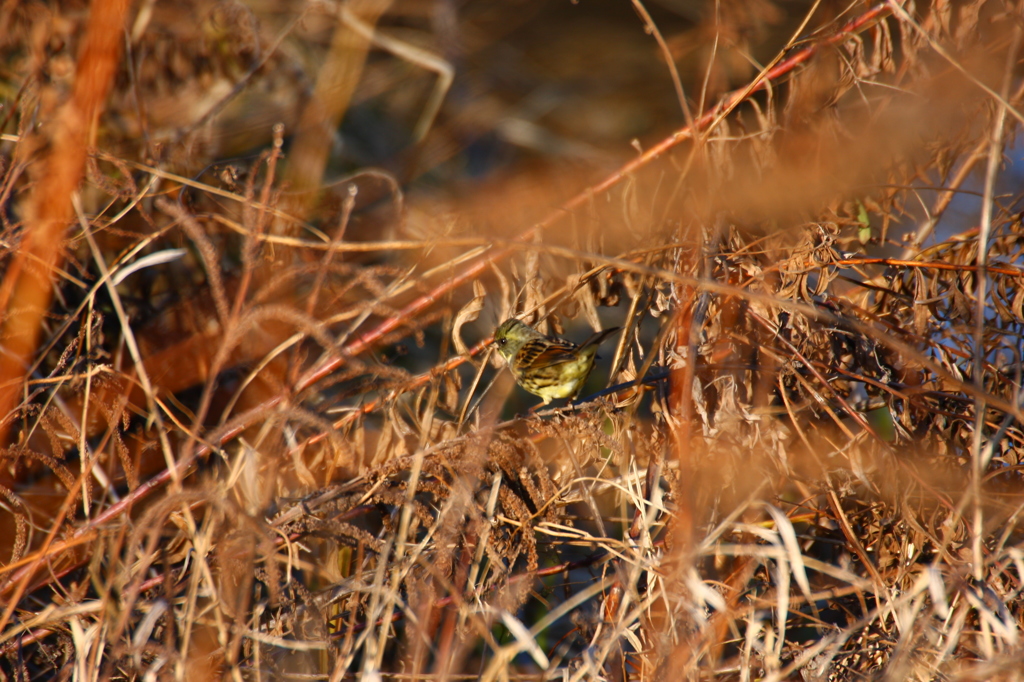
(542, 353)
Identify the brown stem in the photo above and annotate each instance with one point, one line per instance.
(27, 288)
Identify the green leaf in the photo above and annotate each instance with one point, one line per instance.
(864, 233)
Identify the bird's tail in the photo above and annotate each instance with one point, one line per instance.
(598, 337)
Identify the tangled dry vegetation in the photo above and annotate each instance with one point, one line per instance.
(253, 427)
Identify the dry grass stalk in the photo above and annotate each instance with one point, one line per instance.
(223, 463)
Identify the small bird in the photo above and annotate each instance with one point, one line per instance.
(546, 366)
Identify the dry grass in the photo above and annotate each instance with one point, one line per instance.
(253, 427)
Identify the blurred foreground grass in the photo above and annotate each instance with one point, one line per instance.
(253, 428)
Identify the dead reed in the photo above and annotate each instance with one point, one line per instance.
(253, 427)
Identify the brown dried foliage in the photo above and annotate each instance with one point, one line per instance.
(253, 428)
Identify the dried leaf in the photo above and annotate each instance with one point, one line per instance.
(469, 313)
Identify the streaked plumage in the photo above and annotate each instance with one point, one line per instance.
(548, 367)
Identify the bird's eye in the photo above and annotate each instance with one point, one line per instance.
(502, 341)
